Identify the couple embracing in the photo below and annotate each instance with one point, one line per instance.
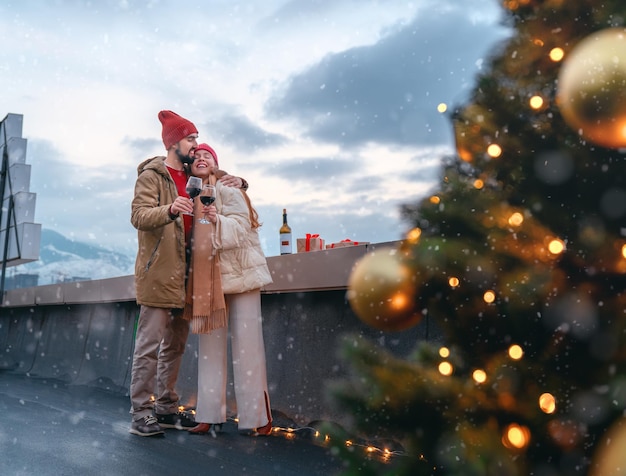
(203, 277)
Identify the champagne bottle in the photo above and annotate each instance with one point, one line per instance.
(285, 236)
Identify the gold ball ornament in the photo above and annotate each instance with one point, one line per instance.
(610, 458)
(381, 291)
(591, 90)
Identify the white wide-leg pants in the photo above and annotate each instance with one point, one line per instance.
(249, 368)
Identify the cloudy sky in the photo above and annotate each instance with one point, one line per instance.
(327, 107)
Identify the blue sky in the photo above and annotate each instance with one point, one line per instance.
(327, 108)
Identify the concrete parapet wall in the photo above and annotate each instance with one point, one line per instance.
(83, 333)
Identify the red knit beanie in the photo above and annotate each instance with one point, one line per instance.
(175, 128)
(210, 150)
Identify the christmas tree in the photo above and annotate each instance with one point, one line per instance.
(519, 256)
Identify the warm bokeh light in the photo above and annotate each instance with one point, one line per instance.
(444, 352)
(442, 107)
(547, 403)
(557, 54)
(536, 102)
(465, 154)
(489, 297)
(516, 352)
(515, 4)
(478, 184)
(622, 131)
(413, 235)
(516, 219)
(400, 301)
(494, 150)
(445, 368)
(556, 246)
(435, 199)
(516, 436)
(453, 281)
(624, 251)
(479, 376)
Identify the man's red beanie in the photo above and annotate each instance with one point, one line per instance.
(210, 150)
(175, 128)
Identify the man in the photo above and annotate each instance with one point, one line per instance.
(161, 211)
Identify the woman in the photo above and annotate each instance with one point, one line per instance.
(228, 269)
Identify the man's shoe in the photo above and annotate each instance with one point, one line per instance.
(146, 426)
(179, 420)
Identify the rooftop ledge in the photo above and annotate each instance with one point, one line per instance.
(300, 272)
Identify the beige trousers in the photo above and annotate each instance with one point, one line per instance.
(249, 371)
(159, 345)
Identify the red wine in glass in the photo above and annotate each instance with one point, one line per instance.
(193, 188)
(193, 192)
(207, 196)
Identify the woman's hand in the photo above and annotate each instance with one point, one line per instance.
(210, 212)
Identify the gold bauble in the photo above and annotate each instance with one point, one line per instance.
(591, 91)
(381, 291)
(610, 457)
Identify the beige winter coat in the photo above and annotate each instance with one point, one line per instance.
(242, 262)
(160, 264)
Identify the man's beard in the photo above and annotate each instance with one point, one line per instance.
(184, 159)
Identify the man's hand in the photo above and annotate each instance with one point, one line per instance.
(181, 205)
(232, 181)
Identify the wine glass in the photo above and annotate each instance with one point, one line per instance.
(207, 196)
(194, 187)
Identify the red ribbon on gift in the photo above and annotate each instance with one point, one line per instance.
(308, 241)
(347, 240)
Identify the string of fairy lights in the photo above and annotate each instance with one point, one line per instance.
(318, 437)
(514, 436)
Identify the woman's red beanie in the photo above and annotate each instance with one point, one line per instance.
(175, 128)
(210, 150)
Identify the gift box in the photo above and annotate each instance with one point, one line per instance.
(346, 242)
(310, 243)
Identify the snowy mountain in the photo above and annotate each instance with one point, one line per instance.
(62, 259)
